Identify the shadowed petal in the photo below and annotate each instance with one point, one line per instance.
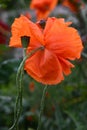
(66, 65)
(44, 67)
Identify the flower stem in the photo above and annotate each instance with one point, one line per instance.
(19, 79)
(42, 107)
(18, 105)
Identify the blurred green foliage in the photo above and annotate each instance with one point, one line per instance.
(12, 5)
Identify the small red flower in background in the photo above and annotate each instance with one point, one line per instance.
(74, 5)
(47, 95)
(29, 118)
(61, 44)
(43, 7)
(31, 86)
(4, 32)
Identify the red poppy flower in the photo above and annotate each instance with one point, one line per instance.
(61, 44)
(74, 5)
(43, 7)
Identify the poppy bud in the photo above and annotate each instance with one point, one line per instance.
(25, 41)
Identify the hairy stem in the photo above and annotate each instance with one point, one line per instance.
(19, 79)
(42, 107)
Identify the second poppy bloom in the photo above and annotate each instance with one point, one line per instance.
(60, 43)
(43, 7)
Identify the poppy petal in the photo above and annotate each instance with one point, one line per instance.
(44, 67)
(22, 26)
(64, 41)
(51, 21)
(66, 65)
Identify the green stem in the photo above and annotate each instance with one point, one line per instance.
(19, 79)
(18, 106)
(42, 107)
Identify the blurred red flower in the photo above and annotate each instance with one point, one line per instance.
(43, 7)
(29, 118)
(73, 5)
(4, 32)
(61, 44)
(31, 86)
